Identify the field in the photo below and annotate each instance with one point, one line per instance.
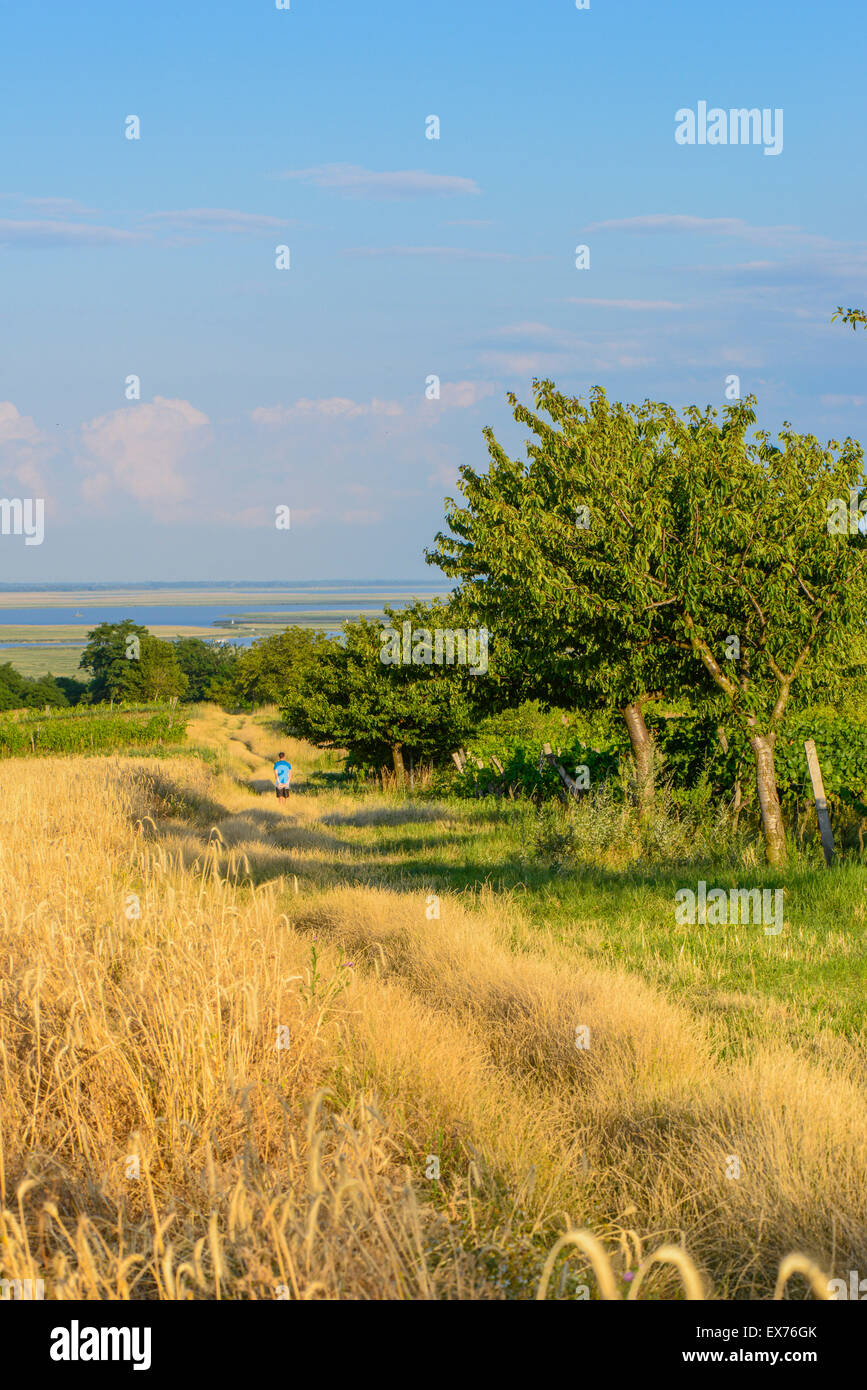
(326, 1048)
(37, 660)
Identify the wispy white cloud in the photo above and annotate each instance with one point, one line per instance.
(354, 181)
(218, 220)
(446, 253)
(362, 516)
(331, 407)
(541, 335)
(650, 223)
(556, 361)
(737, 357)
(28, 235)
(639, 304)
(64, 207)
(523, 363)
(530, 328)
(460, 395)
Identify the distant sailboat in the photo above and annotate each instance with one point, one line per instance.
(78, 615)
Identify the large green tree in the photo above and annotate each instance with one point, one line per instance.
(769, 593)
(126, 663)
(384, 713)
(205, 664)
(268, 671)
(702, 562)
(530, 547)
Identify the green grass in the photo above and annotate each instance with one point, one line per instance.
(809, 980)
(44, 661)
(42, 634)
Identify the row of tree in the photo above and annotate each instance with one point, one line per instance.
(123, 662)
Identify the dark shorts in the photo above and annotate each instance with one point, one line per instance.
(282, 791)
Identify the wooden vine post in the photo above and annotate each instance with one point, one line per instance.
(821, 803)
(568, 782)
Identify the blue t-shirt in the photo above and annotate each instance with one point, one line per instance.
(282, 772)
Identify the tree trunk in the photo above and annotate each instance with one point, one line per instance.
(397, 759)
(769, 801)
(642, 752)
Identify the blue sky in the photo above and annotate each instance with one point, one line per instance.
(409, 257)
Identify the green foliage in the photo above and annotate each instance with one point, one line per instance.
(692, 756)
(206, 665)
(161, 674)
(126, 663)
(113, 674)
(89, 729)
(74, 689)
(534, 721)
(28, 692)
(703, 533)
(690, 537)
(524, 773)
(692, 749)
(546, 584)
(348, 698)
(851, 316)
(270, 671)
(841, 745)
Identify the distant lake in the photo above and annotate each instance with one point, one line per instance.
(87, 611)
(184, 615)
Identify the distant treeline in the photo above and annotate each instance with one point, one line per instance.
(123, 662)
(35, 692)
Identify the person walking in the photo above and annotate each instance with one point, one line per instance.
(282, 775)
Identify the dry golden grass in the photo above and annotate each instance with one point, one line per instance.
(155, 1142)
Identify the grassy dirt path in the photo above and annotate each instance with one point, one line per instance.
(346, 1059)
